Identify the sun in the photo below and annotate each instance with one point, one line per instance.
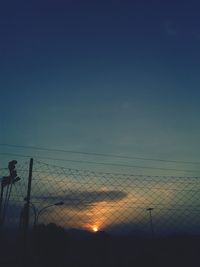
(95, 229)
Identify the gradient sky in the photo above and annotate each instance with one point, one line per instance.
(117, 77)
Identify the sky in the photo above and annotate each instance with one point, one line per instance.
(115, 203)
(111, 77)
(117, 77)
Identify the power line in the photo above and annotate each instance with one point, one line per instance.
(117, 173)
(98, 172)
(97, 163)
(97, 154)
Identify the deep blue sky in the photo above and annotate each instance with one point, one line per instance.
(102, 76)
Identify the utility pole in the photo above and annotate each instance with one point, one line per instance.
(25, 214)
(6, 184)
(28, 197)
(151, 221)
(24, 220)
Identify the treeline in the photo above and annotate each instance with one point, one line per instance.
(50, 245)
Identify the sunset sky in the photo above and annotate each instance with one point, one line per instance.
(97, 201)
(102, 76)
(107, 77)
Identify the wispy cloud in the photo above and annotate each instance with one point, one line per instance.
(84, 199)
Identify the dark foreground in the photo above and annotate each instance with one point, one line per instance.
(53, 246)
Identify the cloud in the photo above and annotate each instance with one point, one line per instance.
(85, 199)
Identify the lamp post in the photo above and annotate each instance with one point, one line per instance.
(151, 221)
(38, 213)
(44, 208)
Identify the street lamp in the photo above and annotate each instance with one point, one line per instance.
(38, 213)
(151, 221)
(44, 208)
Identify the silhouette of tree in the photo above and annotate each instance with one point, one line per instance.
(50, 243)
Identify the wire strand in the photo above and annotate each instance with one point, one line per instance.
(98, 163)
(98, 154)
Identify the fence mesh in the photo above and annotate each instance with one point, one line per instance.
(117, 203)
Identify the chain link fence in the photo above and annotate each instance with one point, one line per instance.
(115, 203)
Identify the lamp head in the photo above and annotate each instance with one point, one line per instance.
(59, 203)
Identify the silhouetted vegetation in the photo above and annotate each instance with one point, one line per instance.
(50, 245)
(53, 246)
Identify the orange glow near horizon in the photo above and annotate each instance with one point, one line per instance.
(102, 215)
(95, 229)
